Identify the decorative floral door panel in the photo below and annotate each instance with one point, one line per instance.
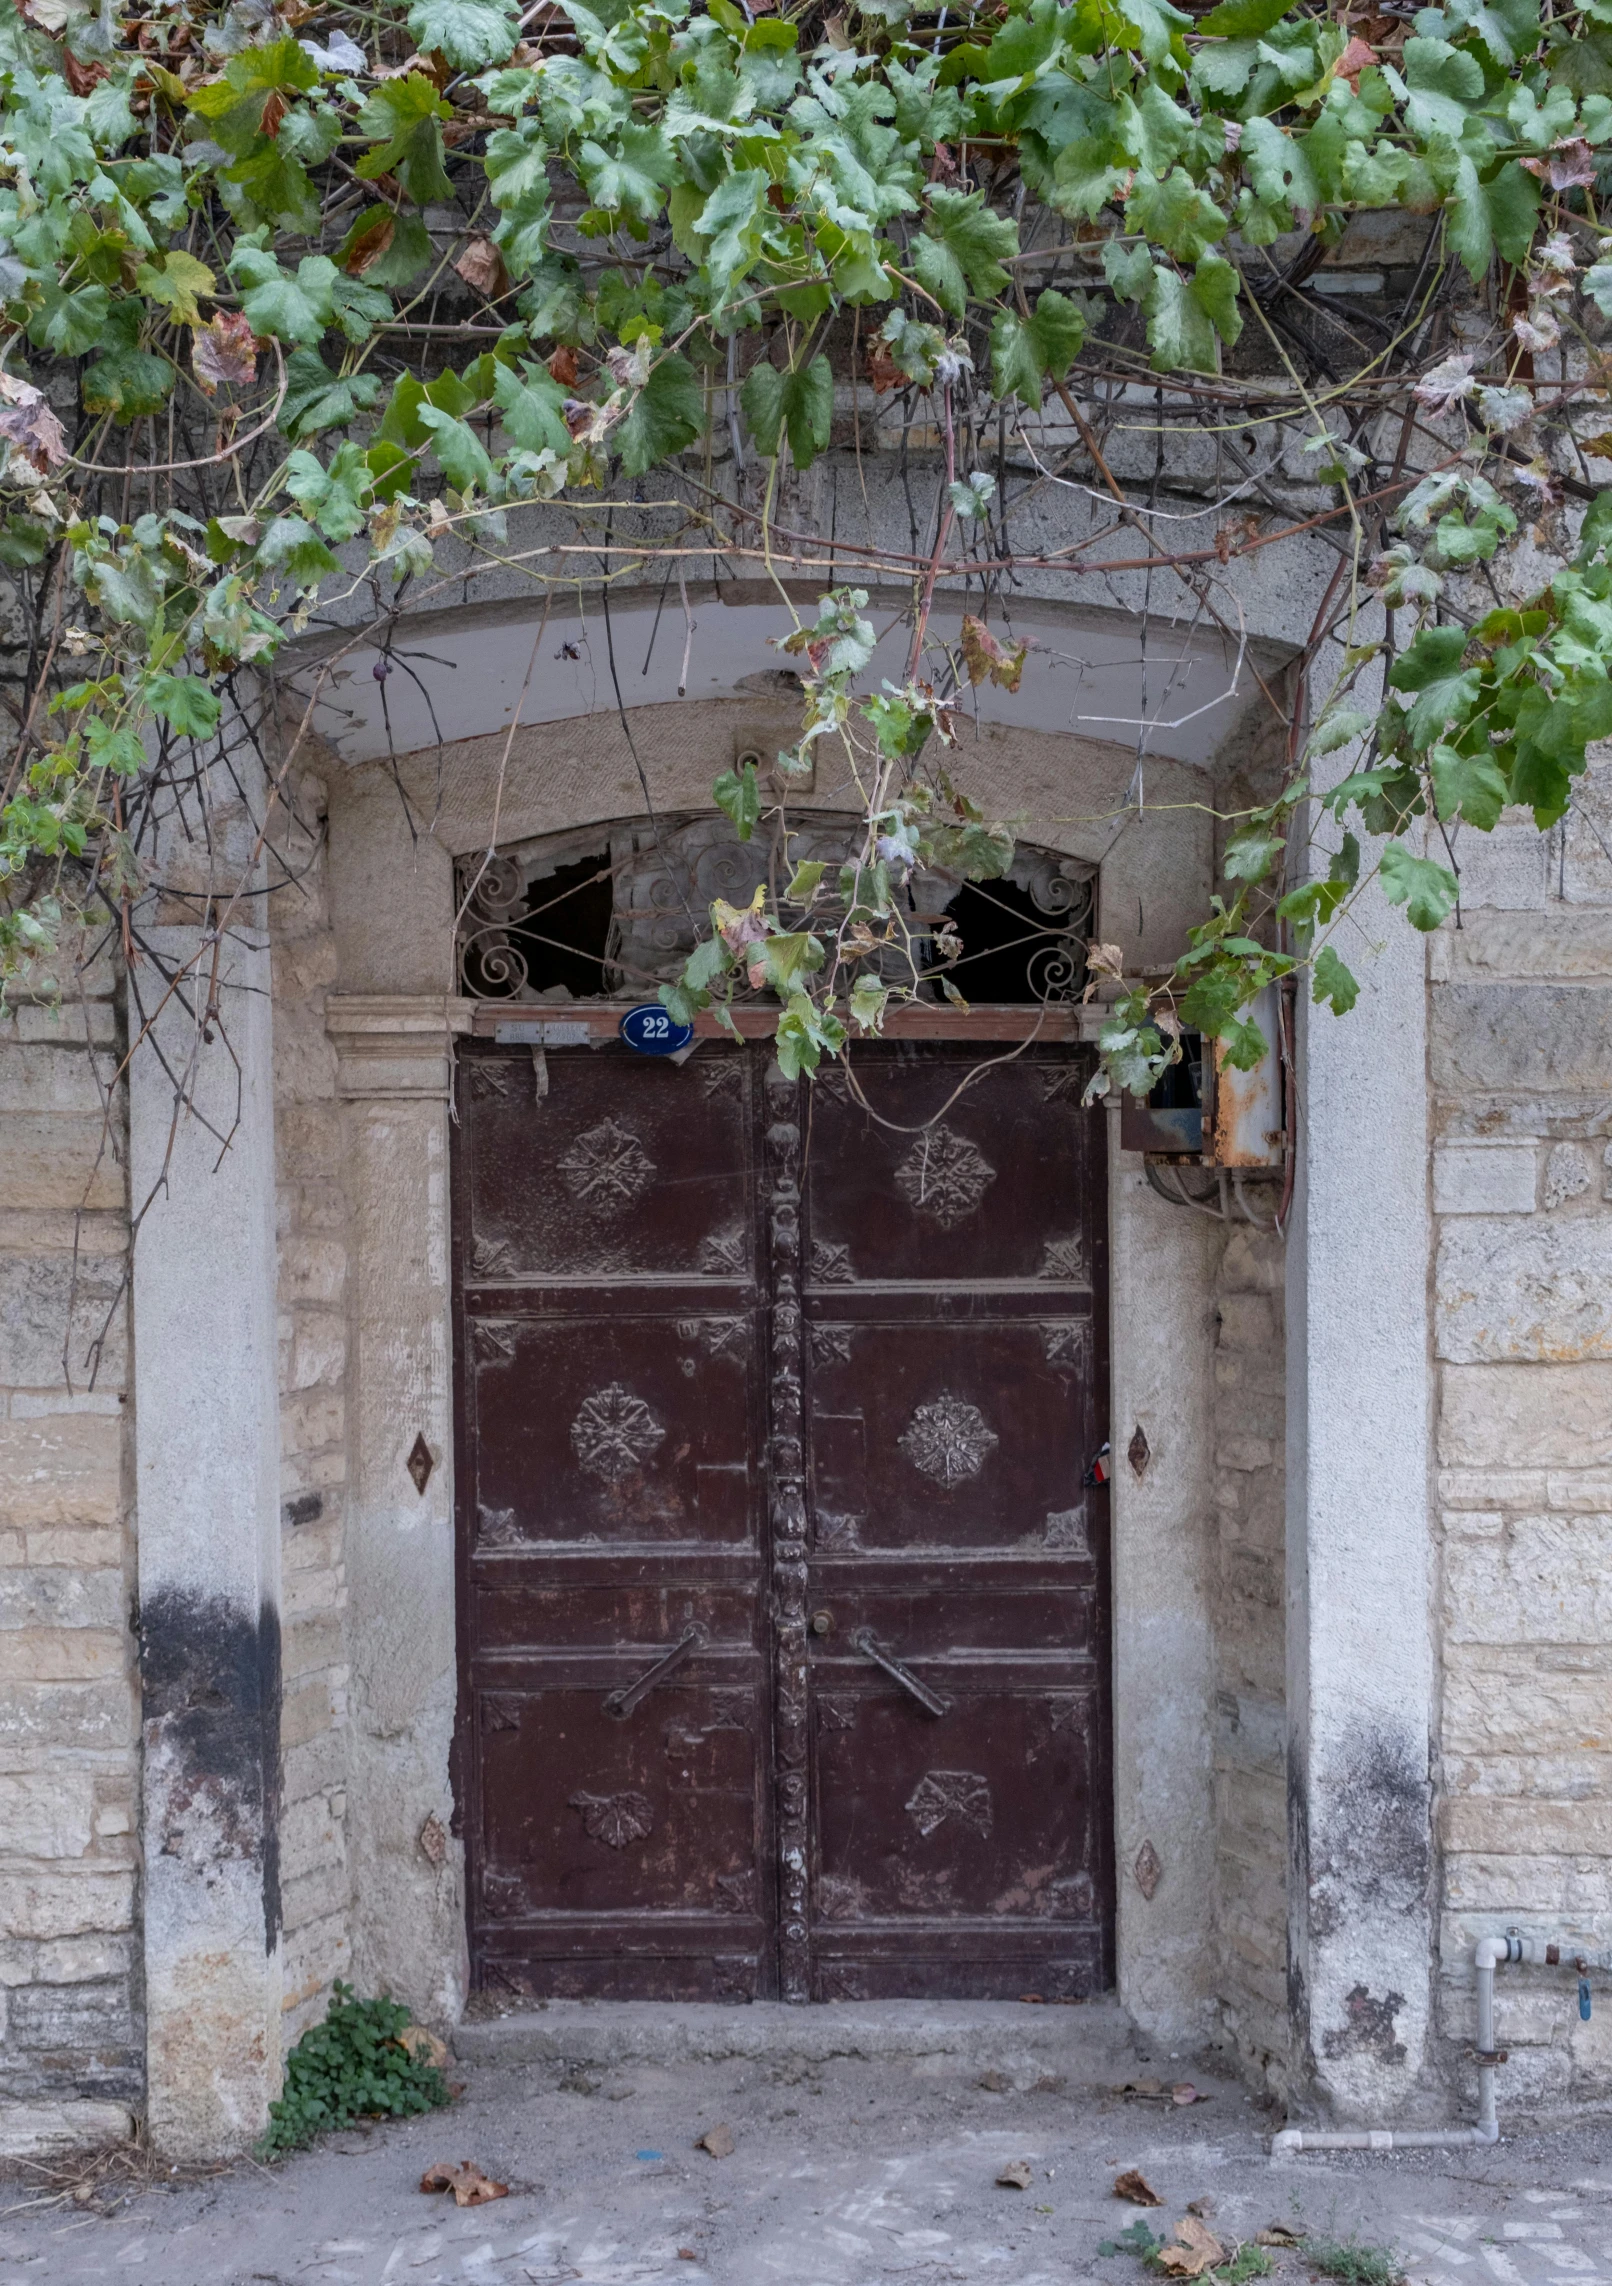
(615, 1771)
(956, 1590)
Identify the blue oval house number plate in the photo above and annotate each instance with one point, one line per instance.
(652, 1032)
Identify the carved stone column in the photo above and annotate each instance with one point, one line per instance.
(395, 1073)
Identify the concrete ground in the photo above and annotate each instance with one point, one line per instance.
(867, 2144)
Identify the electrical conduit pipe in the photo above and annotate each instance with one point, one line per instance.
(1488, 1953)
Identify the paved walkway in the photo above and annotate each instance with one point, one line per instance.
(846, 2171)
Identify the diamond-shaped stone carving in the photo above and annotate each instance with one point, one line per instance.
(948, 1441)
(945, 1175)
(607, 1166)
(614, 1433)
(943, 1794)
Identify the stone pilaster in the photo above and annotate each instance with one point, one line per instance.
(207, 1486)
(394, 1076)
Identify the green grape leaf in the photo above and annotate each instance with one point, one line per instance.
(1333, 983)
(1427, 891)
(799, 405)
(1175, 214)
(316, 398)
(738, 797)
(471, 33)
(1023, 349)
(460, 453)
(635, 176)
(337, 497)
(402, 116)
(1468, 786)
(69, 323)
(961, 248)
(1186, 315)
(274, 303)
(358, 307)
(532, 405)
(1242, 19)
(667, 414)
(293, 547)
(176, 282)
(185, 702)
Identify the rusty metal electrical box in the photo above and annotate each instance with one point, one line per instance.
(1204, 1109)
(1243, 1126)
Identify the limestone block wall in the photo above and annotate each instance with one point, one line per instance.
(1522, 1189)
(312, 1217)
(1246, 1573)
(71, 2032)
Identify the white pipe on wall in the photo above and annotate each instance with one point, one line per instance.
(1487, 1954)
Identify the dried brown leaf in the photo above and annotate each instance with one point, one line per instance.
(1193, 2249)
(1017, 2175)
(29, 426)
(224, 350)
(423, 2046)
(984, 655)
(563, 366)
(1134, 2185)
(718, 2141)
(1354, 60)
(469, 2185)
(370, 244)
(883, 371)
(482, 267)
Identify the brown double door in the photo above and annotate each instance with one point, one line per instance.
(783, 1608)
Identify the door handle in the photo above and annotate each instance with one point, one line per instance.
(931, 1701)
(621, 1702)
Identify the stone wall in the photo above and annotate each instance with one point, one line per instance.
(315, 1886)
(1522, 1074)
(71, 2036)
(1245, 1572)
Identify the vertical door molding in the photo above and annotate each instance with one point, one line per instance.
(395, 1072)
(207, 1478)
(786, 1501)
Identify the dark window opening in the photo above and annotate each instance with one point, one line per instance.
(562, 938)
(1012, 950)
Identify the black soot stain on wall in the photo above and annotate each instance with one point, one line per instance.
(210, 1685)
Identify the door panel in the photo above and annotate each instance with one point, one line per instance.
(783, 1609)
(610, 1519)
(959, 1845)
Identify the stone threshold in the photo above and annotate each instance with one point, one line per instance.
(1089, 2040)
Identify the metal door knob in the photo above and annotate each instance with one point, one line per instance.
(822, 1622)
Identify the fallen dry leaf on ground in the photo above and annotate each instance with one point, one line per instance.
(717, 2140)
(469, 2185)
(423, 2046)
(1278, 2234)
(1016, 2175)
(1204, 2206)
(1191, 2251)
(1134, 2185)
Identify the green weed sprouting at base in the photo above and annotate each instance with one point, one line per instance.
(1351, 2263)
(350, 2067)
